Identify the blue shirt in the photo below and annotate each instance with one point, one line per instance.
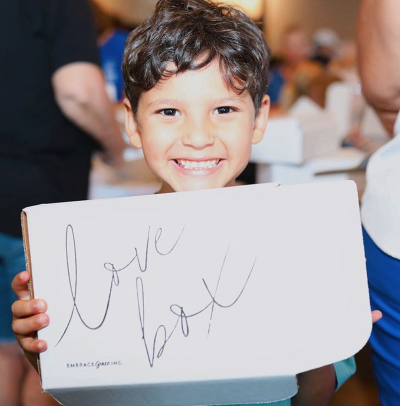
(275, 85)
(111, 55)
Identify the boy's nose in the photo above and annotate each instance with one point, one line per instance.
(198, 134)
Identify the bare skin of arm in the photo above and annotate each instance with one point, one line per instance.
(316, 387)
(80, 93)
(378, 43)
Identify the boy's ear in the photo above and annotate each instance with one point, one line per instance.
(260, 123)
(132, 126)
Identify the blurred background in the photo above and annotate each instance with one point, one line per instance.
(321, 128)
(277, 14)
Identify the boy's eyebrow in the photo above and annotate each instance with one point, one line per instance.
(230, 100)
(175, 102)
(163, 101)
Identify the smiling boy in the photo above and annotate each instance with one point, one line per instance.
(195, 77)
(196, 133)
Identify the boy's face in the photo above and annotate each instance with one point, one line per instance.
(195, 132)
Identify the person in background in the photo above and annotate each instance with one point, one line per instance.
(54, 113)
(379, 62)
(326, 45)
(292, 73)
(292, 54)
(111, 38)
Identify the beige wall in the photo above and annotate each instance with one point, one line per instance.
(131, 12)
(340, 15)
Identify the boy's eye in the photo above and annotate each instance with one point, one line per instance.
(169, 112)
(224, 110)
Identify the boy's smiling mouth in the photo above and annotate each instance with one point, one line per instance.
(197, 165)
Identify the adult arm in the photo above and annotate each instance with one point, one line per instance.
(80, 93)
(316, 387)
(379, 57)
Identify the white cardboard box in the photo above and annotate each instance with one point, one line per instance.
(197, 298)
(341, 160)
(294, 140)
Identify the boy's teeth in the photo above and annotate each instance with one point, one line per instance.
(197, 164)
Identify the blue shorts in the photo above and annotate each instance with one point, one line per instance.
(12, 261)
(384, 285)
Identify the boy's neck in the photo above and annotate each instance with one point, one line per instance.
(165, 188)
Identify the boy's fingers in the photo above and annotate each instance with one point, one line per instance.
(30, 344)
(30, 324)
(376, 315)
(20, 285)
(31, 347)
(25, 308)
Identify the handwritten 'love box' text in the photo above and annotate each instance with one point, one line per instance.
(140, 264)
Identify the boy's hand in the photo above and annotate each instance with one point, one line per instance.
(29, 317)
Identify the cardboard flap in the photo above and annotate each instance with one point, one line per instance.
(182, 394)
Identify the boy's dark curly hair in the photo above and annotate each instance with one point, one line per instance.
(192, 34)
